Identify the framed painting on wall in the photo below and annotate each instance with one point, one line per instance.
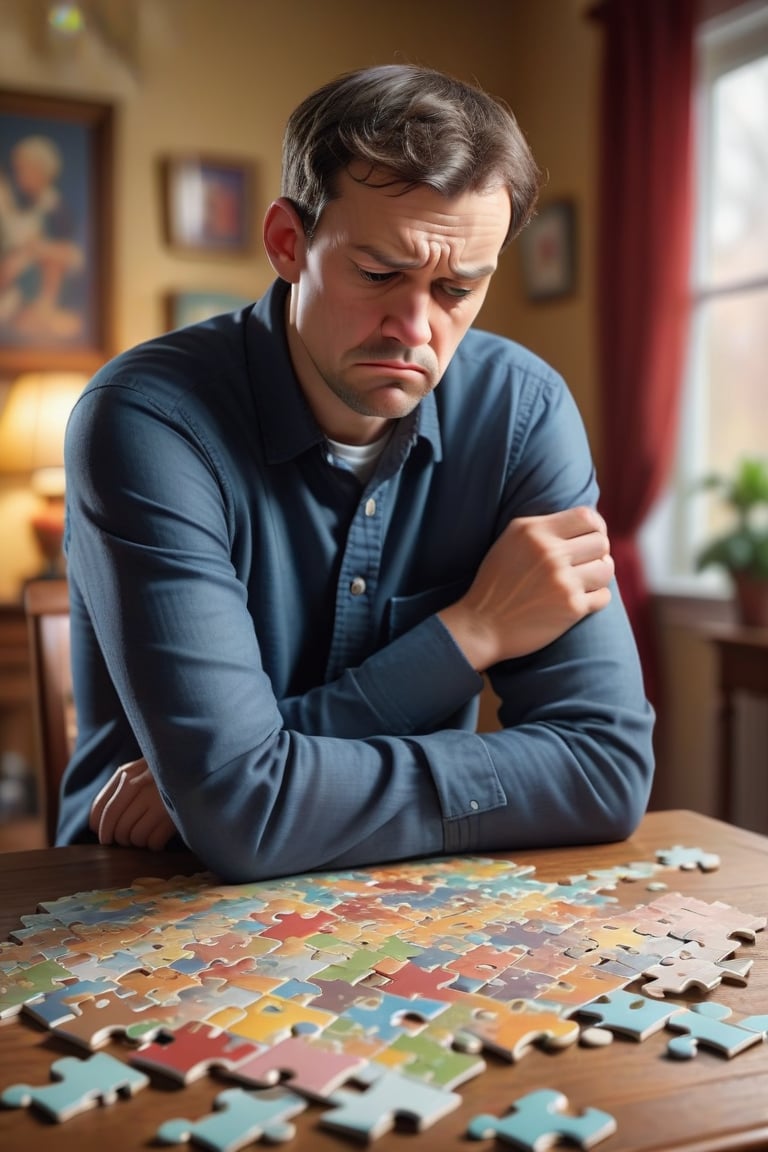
(208, 204)
(55, 233)
(182, 308)
(547, 249)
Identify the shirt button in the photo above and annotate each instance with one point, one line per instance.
(474, 805)
(357, 587)
(370, 507)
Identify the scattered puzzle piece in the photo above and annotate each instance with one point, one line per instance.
(629, 1013)
(705, 1024)
(240, 1118)
(539, 1119)
(388, 1098)
(688, 858)
(80, 1085)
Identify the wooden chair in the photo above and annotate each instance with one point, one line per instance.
(46, 603)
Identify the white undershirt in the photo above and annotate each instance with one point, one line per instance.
(361, 458)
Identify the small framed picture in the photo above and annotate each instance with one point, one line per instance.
(208, 204)
(182, 308)
(55, 233)
(548, 252)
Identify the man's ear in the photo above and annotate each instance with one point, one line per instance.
(284, 239)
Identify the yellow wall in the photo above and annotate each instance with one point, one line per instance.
(221, 76)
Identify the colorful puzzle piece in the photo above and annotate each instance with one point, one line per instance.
(538, 1120)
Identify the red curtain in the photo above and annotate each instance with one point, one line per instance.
(643, 230)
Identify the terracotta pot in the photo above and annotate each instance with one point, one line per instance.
(751, 599)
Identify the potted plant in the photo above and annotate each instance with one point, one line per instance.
(743, 550)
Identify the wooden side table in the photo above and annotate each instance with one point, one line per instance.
(16, 696)
(742, 660)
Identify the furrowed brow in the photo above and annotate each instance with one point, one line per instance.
(468, 273)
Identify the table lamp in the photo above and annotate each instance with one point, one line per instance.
(32, 424)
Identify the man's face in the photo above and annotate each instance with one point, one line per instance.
(382, 296)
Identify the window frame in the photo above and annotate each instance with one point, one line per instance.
(671, 531)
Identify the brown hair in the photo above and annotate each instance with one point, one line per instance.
(419, 126)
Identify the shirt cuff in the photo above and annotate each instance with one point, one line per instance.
(467, 784)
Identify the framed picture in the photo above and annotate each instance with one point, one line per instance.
(55, 233)
(183, 308)
(208, 204)
(547, 249)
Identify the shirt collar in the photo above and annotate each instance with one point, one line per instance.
(286, 420)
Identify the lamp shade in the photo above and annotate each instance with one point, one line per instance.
(33, 420)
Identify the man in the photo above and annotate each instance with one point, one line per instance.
(298, 535)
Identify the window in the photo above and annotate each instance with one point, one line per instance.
(724, 414)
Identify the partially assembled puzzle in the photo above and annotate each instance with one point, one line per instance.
(367, 997)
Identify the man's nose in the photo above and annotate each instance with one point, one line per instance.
(407, 318)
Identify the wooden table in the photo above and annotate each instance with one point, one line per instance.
(699, 1105)
(742, 666)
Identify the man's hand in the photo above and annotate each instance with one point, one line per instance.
(129, 810)
(542, 575)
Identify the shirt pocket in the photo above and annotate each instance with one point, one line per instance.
(405, 612)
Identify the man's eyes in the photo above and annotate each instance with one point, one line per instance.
(455, 291)
(376, 277)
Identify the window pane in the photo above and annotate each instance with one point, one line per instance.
(735, 385)
(738, 225)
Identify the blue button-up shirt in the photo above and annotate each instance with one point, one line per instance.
(262, 627)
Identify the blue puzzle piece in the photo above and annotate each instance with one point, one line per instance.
(54, 1008)
(241, 1118)
(688, 858)
(81, 1084)
(539, 1119)
(755, 1024)
(380, 1013)
(371, 1113)
(629, 1013)
(704, 1024)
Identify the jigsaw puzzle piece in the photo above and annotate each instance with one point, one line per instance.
(705, 1024)
(677, 975)
(271, 1019)
(98, 1018)
(426, 1059)
(539, 1120)
(23, 984)
(80, 1085)
(240, 1118)
(55, 1007)
(517, 1026)
(688, 858)
(388, 1098)
(314, 1070)
(629, 1013)
(384, 1016)
(193, 1050)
